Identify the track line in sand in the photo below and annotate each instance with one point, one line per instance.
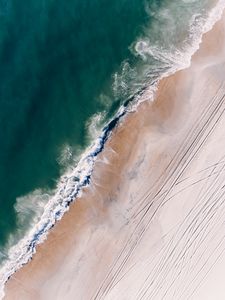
(195, 232)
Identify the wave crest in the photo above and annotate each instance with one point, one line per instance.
(71, 183)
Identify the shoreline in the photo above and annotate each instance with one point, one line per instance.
(160, 121)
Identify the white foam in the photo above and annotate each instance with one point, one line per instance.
(177, 59)
(66, 155)
(94, 125)
(70, 184)
(68, 188)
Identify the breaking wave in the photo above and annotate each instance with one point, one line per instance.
(52, 206)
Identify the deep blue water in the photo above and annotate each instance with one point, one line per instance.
(61, 63)
(56, 59)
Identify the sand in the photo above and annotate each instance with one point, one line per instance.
(151, 224)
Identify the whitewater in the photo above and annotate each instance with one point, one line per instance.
(70, 185)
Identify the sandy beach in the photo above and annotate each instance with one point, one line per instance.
(151, 224)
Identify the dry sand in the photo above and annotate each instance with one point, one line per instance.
(151, 225)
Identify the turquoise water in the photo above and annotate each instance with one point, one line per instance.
(56, 59)
(63, 64)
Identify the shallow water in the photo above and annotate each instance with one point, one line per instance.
(65, 70)
(56, 60)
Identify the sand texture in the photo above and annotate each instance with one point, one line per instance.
(151, 225)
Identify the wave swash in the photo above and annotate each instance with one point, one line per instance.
(71, 183)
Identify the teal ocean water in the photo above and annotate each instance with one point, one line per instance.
(66, 67)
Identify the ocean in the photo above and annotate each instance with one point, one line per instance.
(69, 71)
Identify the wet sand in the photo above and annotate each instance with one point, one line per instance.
(151, 224)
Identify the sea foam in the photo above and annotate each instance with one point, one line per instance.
(71, 183)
